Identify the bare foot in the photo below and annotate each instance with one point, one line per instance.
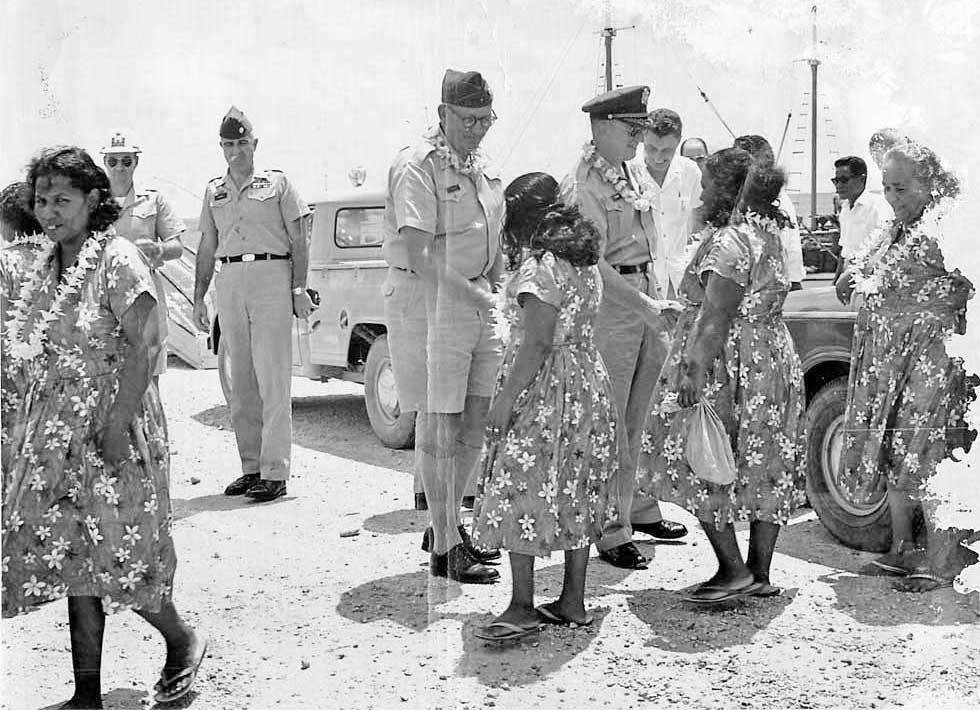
(522, 617)
(565, 614)
(76, 703)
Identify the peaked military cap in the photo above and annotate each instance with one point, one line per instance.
(466, 89)
(120, 142)
(628, 103)
(235, 124)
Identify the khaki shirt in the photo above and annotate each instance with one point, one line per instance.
(147, 215)
(465, 211)
(628, 235)
(251, 219)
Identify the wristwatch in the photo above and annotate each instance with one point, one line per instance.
(298, 290)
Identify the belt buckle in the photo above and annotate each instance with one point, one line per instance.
(248, 257)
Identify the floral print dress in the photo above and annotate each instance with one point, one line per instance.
(906, 395)
(544, 481)
(73, 526)
(755, 386)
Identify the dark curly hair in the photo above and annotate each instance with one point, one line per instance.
(17, 208)
(665, 122)
(538, 222)
(77, 165)
(926, 167)
(742, 184)
(758, 147)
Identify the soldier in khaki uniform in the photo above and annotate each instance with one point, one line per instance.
(631, 334)
(251, 224)
(443, 219)
(147, 220)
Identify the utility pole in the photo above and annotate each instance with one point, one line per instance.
(608, 32)
(814, 63)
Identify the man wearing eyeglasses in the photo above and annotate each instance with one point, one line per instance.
(862, 212)
(443, 219)
(146, 219)
(251, 224)
(630, 330)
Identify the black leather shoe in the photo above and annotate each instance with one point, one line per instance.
(264, 491)
(462, 567)
(438, 565)
(242, 484)
(625, 556)
(481, 555)
(662, 529)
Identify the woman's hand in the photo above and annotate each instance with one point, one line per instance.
(691, 386)
(152, 250)
(844, 286)
(115, 444)
(501, 411)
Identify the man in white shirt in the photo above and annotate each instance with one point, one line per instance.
(762, 153)
(695, 149)
(862, 212)
(672, 184)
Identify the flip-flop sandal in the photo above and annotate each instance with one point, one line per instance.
(516, 631)
(178, 685)
(766, 590)
(937, 583)
(724, 594)
(555, 619)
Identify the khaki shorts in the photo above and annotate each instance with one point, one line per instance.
(442, 357)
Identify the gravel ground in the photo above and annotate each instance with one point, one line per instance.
(300, 616)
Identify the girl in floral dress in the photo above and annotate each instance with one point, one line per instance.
(906, 398)
(733, 350)
(552, 442)
(86, 506)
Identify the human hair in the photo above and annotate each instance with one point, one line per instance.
(740, 184)
(757, 146)
(665, 122)
(17, 210)
(692, 140)
(538, 222)
(857, 166)
(77, 165)
(927, 168)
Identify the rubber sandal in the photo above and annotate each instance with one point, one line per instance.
(178, 685)
(766, 590)
(714, 594)
(553, 618)
(937, 583)
(516, 631)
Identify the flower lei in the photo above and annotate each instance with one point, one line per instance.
(25, 346)
(474, 163)
(642, 201)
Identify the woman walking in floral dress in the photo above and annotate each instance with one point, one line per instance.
(733, 351)
(906, 396)
(86, 506)
(552, 442)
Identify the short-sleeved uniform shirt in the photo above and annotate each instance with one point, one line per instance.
(252, 218)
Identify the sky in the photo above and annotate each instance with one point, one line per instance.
(330, 85)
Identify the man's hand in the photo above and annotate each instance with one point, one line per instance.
(844, 287)
(152, 250)
(201, 319)
(302, 305)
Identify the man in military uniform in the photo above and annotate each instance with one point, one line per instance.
(251, 224)
(630, 330)
(443, 218)
(147, 220)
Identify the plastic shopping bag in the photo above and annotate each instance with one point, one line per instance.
(709, 451)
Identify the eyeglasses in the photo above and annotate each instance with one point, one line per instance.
(844, 180)
(470, 121)
(127, 161)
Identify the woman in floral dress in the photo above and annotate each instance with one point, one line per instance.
(552, 442)
(86, 507)
(733, 350)
(906, 398)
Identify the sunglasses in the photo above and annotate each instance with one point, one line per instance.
(112, 161)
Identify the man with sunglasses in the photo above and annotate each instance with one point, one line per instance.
(862, 212)
(147, 220)
(631, 334)
(444, 214)
(251, 224)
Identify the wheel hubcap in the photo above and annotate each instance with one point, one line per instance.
(387, 394)
(831, 450)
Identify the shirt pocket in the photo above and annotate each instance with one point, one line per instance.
(261, 193)
(144, 220)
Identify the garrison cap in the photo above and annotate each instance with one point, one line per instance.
(465, 89)
(235, 124)
(628, 103)
(120, 142)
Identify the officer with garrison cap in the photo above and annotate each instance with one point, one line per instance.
(630, 333)
(251, 226)
(443, 218)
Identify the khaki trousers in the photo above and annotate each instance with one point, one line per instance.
(255, 309)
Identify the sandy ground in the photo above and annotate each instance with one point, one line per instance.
(300, 617)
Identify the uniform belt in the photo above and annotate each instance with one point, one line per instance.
(251, 257)
(632, 268)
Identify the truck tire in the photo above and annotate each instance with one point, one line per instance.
(394, 429)
(863, 526)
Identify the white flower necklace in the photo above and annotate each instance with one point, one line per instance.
(641, 201)
(474, 163)
(25, 346)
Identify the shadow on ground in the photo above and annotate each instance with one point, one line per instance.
(186, 507)
(128, 698)
(396, 522)
(334, 424)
